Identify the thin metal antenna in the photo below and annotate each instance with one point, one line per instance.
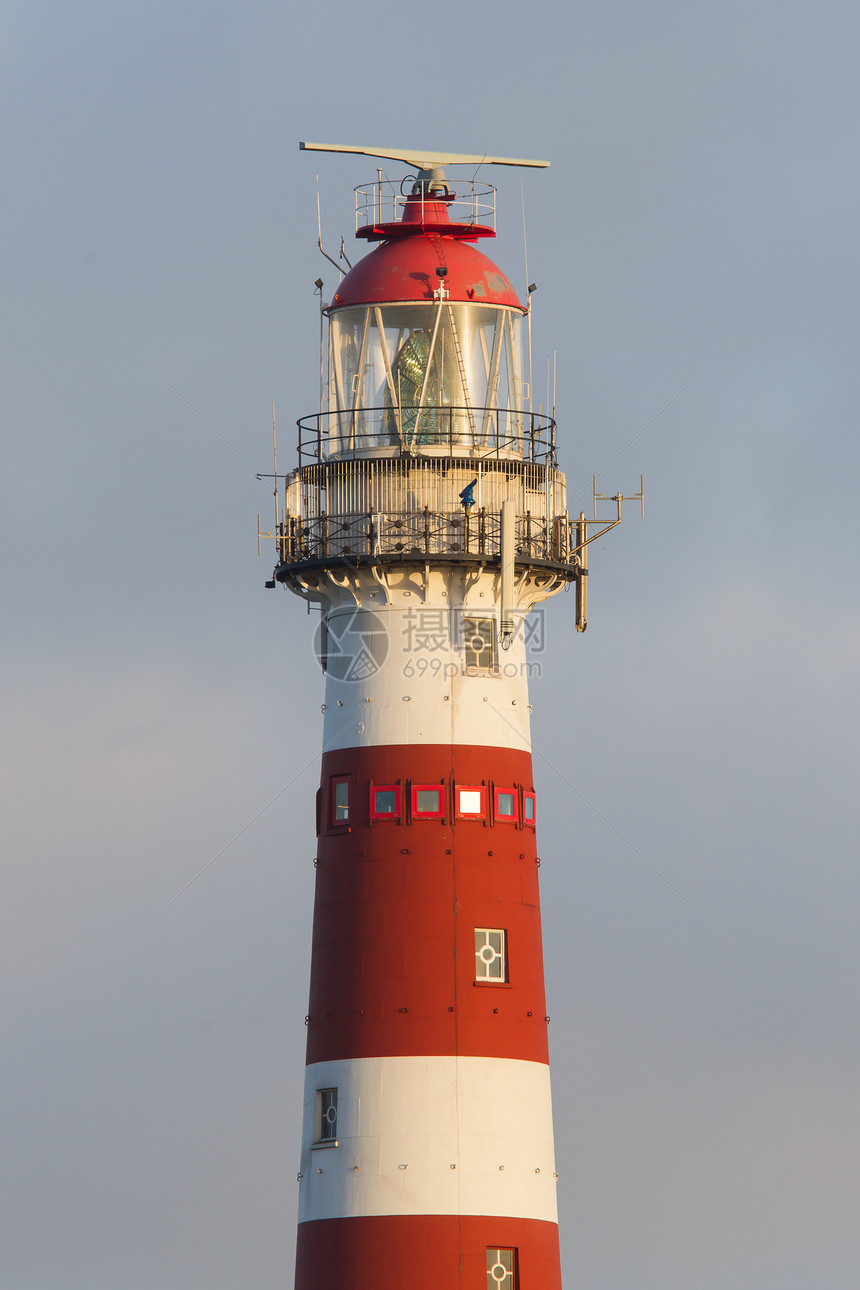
(275, 456)
(274, 442)
(554, 370)
(618, 498)
(477, 168)
(529, 289)
(525, 239)
(319, 288)
(339, 267)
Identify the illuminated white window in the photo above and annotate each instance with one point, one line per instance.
(490, 962)
(471, 801)
(501, 1269)
(480, 641)
(326, 1115)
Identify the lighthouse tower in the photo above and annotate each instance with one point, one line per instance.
(425, 519)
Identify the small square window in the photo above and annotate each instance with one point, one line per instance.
(326, 1115)
(340, 800)
(490, 957)
(529, 808)
(479, 638)
(427, 801)
(471, 801)
(501, 1269)
(385, 802)
(506, 808)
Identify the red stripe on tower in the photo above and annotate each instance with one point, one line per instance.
(426, 519)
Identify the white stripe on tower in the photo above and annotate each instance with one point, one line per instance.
(432, 1135)
(424, 695)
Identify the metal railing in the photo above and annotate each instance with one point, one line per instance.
(421, 535)
(346, 487)
(381, 202)
(429, 429)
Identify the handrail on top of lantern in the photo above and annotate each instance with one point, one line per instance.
(383, 202)
(479, 433)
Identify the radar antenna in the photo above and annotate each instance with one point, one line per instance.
(420, 159)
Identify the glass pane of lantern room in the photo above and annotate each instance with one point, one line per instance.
(493, 343)
(399, 380)
(485, 334)
(347, 343)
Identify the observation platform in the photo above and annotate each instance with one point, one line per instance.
(366, 504)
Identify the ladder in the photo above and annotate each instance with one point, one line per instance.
(463, 382)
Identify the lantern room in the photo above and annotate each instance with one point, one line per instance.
(426, 352)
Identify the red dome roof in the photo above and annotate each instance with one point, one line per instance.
(405, 269)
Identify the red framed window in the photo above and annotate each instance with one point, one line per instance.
(529, 808)
(505, 803)
(339, 801)
(470, 801)
(385, 802)
(428, 802)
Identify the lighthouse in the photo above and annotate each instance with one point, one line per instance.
(425, 519)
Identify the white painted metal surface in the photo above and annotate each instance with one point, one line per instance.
(431, 1135)
(422, 159)
(418, 688)
(397, 668)
(426, 697)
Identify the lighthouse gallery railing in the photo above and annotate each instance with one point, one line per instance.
(409, 507)
(439, 429)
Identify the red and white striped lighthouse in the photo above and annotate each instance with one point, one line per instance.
(426, 518)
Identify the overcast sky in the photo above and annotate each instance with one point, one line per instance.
(696, 750)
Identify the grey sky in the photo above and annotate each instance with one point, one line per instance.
(699, 221)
